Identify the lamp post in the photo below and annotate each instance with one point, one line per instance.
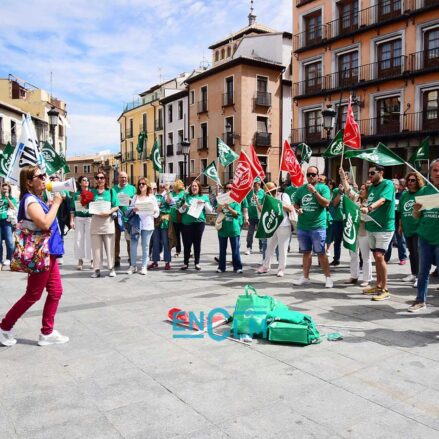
(185, 148)
(329, 115)
(53, 122)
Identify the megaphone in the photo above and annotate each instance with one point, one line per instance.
(58, 186)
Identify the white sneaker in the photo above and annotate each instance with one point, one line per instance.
(112, 273)
(54, 338)
(248, 252)
(60, 261)
(7, 263)
(302, 281)
(238, 271)
(415, 283)
(144, 271)
(280, 273)
(329, 283)
(409, 278)
(131, 270)
(6, 338)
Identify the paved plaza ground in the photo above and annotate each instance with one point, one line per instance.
(123, 375)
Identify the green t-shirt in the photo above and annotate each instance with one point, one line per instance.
(429, 221)
(231, 226)
(165, 209)
(337, 211)
(405, 209)
(188, 219)
(314, 215)
(252, 206)
(290, 191)
(129, 190)
(177, 198)
(107, 195)
(83, 213)
(384, 215)
(4, 206)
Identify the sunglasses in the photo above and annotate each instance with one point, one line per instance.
(142, 184)
(100, 178)
(229, 188)
(372, 173)
(311, 174)
(411, 180)
(40, 176)
(84, 179)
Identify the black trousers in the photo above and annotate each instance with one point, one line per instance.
(177, 228)
(412, 245)
(192, 235)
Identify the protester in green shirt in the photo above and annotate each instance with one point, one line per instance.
(230, 231)
(428, 236)
(380, 226)
(80, 222)
(193, 226)
(7, 201)
(312, 200)
(408, 224)
(177, 193)
(255, 196)
(160, 239)
(125, 193)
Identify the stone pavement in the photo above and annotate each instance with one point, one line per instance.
(123, 375)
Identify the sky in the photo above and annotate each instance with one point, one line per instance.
(103, 53)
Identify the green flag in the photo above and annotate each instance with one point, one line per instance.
(422, 153)
(225, 154)
(381, 155)
(304, 151)
(336, 147)
(271, 216)
(155, 157)
(141, 141)
(212, 173)
(5, 159)
(54, 161)
(351, 224)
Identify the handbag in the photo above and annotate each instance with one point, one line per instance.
(12, 216)
(219, 221)
(31, 253)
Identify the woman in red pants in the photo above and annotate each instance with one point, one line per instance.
(36, 215)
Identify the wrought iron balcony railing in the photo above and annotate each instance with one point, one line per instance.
(202, 143)
(202, 107)
(229, 138)
(263, 99)
(262, 139)
(228, 99)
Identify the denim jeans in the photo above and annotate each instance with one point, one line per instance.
(6, 234)
(428, 255)
(145, 236)
(159, 242)
(337, 229)
(236, 257)
(412, 245)
(252, 227)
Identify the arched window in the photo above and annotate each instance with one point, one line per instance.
(217, 56)
(229, 52)
(235, 46)
(222, 53)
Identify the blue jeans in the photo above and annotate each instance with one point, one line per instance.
(337, 229)
(428, 255)
(236, 257)
(159, 242)
(252, 227)
(145, 236)
(6, 234)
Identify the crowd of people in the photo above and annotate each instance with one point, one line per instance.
(168, 216)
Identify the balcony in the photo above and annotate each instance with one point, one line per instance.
(158, 125)
(228, 99)
(169, 150)
(263, 99)
(262, 139)
(202, 106)
(202, 143)
(309, 38)
(424, 61)
(229, 138)
(128, 133)
(311, 86)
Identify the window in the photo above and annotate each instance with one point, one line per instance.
(263, 98)
(348, 16)
(228, 137)
(159, 121)
(228, 97)
(262, 124)
(170, 113)
(192, 97)
(170, 139)
(171, 168)
(430, 107)
(313, 75)
(144, 123)
(313, 125)
(180, 110)
(203, 140)
(389, 58)
(262, 84)
(431, 47)
(87, 169)
(131, 122)
(203, 167)
(235, 46)
(388, 115)
(75, 169)
(342, 113)
(313, 27)
(60, 131)
(216, 56)
(192, 167)
(229, 52)
(13, 133)
(131, 176)
(348, 68)
(388, 9)
(222, 53)
(180, 136)
(191, 132)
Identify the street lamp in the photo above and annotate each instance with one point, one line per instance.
(328, 120)
(229, 139)
(53, 122)
(185, 148)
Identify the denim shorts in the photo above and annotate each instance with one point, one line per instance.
(312, 240)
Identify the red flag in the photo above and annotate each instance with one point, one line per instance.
(351, 132)
(245, 174)
(256, 163)
(290, 164)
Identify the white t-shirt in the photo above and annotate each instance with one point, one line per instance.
(286, 201)
(146, 219)
(27, 222)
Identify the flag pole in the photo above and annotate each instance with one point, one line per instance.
(352, 172)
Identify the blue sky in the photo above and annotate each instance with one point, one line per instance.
(104, 52)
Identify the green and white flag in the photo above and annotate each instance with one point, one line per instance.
(351, 224)
(54, 162)
(155, 157)
(336, 147)
(225, 154)
(141, 141)
(5, 159)
(212, 173)
(422, 153)
(304, 151)
(380, 155)
(271, 216)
